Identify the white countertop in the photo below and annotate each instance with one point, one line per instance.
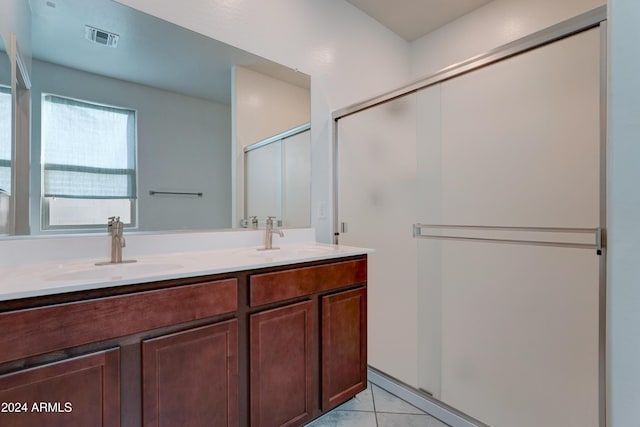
(47, 278)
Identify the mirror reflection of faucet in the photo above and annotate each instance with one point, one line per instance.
(115, 227)
(251, 222)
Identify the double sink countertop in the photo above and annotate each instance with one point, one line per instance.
(47, 278)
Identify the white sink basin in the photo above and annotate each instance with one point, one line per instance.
(113, 271)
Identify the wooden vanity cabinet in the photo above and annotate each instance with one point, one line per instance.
(270, 347)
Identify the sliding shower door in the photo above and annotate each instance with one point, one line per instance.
(519, 147)
(377, 200)
(494, 307)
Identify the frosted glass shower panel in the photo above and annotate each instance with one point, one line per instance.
(377, 201)
(520, 334)
(517, 144)
(520, 139)
(296, 182)
(429, 203)
(264, 181)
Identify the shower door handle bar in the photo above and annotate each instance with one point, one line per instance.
(511, 228)
(596, 232)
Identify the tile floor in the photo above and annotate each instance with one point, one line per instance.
(376, 407)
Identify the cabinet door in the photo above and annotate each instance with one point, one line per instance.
(190, 378)
(79, 392)
(344, 346)
(281, 366)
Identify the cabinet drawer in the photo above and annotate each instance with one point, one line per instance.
(41, 330)
(282, 285)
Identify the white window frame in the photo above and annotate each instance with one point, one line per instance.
(45, 201)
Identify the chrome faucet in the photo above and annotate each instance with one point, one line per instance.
(269, 232)
(254, 222)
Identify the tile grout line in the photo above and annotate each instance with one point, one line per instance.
(373, 400)
(421, 414)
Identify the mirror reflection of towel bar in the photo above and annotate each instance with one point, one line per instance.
(596, 232)
(175, 193)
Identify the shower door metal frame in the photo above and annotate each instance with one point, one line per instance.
(595, 18)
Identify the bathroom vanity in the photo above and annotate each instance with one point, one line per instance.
(275, 340)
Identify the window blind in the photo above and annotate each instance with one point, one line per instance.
(89, 150)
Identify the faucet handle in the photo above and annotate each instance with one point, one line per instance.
(254, 222)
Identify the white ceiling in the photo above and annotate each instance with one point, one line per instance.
(412, 19)
(150, 51)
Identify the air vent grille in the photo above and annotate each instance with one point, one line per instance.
(101, 37)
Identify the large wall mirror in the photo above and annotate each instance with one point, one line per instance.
(132, 116)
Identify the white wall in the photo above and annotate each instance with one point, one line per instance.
(184, 144)
(495, 24)
(263, 106)
(623, 321)
(348, 55)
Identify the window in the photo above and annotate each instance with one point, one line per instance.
(5, 139)
(89, 171)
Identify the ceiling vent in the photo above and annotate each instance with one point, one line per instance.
(101, 37)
